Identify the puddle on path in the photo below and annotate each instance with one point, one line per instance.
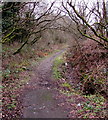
(41, 104)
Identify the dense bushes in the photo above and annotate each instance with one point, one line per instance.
(89, 66)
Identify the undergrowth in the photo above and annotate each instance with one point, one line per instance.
(85, 77)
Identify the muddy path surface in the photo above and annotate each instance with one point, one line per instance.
(39, 98)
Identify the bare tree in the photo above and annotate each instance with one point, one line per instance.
(30, 21)
(89, 17)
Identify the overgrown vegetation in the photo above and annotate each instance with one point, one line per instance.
(86, 76)
(33, 30)
(90, 66)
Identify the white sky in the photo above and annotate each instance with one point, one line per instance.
(87, 1)
(57, 1)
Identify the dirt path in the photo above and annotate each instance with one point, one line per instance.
(39, 96)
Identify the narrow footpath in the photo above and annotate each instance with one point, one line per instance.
(39, 96)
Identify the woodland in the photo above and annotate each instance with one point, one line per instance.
(72, 33)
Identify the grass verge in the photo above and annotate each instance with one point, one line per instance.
(56, 67)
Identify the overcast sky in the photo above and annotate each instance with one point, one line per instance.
(57, 1)
(87, 1)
